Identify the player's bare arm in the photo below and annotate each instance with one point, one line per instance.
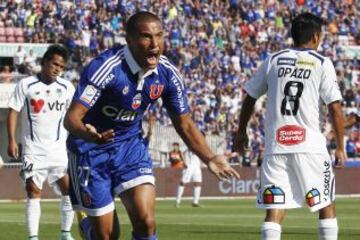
(73, 123)
(241, 139)
(195, 141)
(13, 149)
(337, 120)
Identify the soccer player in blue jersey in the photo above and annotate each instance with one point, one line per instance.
(108, 154)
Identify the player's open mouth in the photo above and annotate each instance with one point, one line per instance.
(152, 58)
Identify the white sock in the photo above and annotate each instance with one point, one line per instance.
(197, 192)
(32, 215)
(67, 213)
(180, 192)
(328, 229)
(270, 231)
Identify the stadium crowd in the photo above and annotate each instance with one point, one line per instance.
(217, 45)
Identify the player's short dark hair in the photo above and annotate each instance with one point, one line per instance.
(134, 20)
(55, 49)
(304, 27)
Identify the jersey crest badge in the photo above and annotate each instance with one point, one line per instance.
(156, 91)
(59, 92)
(136, 101)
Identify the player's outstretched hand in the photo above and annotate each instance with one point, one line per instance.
(340, 158)
(221, 168)
(241, 143)
(100, 138)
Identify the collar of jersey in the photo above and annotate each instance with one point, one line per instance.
(134, 67)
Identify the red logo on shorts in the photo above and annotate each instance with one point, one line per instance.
(37, 105)
(290, 135)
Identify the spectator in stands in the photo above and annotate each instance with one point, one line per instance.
(19, 60)
(351, 147)
(31, 63)
(5, 74)
(215, 44)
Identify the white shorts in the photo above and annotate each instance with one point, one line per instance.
(191, 174)
(42, 167)
(289, 180)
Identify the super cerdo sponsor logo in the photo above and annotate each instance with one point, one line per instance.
(290, 135)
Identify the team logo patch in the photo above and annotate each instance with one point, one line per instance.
(273, 195)
(86, 199)
(88, 94)
(37, 105)
(313, 197)
(59, 92)
(290, 135)
(136, 101)
(156, 91)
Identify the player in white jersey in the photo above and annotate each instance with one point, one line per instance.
(297, 167)
(43, 100)
(190, 174)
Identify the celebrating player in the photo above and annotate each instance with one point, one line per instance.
(109, 156)
(297, 167)
(45, 98)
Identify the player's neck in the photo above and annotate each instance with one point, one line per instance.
(306, 46)
(45, 79)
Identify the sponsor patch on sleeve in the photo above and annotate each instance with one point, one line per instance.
(88, 94)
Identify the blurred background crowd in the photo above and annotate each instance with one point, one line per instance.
(217, 45)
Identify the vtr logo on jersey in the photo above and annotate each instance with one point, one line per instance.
(290, 135)
(38, 105)
(119, 114)
(156, 91)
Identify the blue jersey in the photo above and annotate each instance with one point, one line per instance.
(117, 93)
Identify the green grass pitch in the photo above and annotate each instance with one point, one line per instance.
(217, 220)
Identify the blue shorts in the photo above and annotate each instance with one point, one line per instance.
(98, 175)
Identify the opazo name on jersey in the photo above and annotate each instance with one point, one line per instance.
(119, 114)
(299, 73)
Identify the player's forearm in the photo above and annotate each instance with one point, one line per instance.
(193, 138)
(337, 119)
(76, 127)
(11, 125)
(245, 114)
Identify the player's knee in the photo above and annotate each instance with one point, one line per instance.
(32, 190)
(275, 215)
(327, 212)
(115, 234)
(145, 225)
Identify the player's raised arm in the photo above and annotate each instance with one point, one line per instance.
(193, 138)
